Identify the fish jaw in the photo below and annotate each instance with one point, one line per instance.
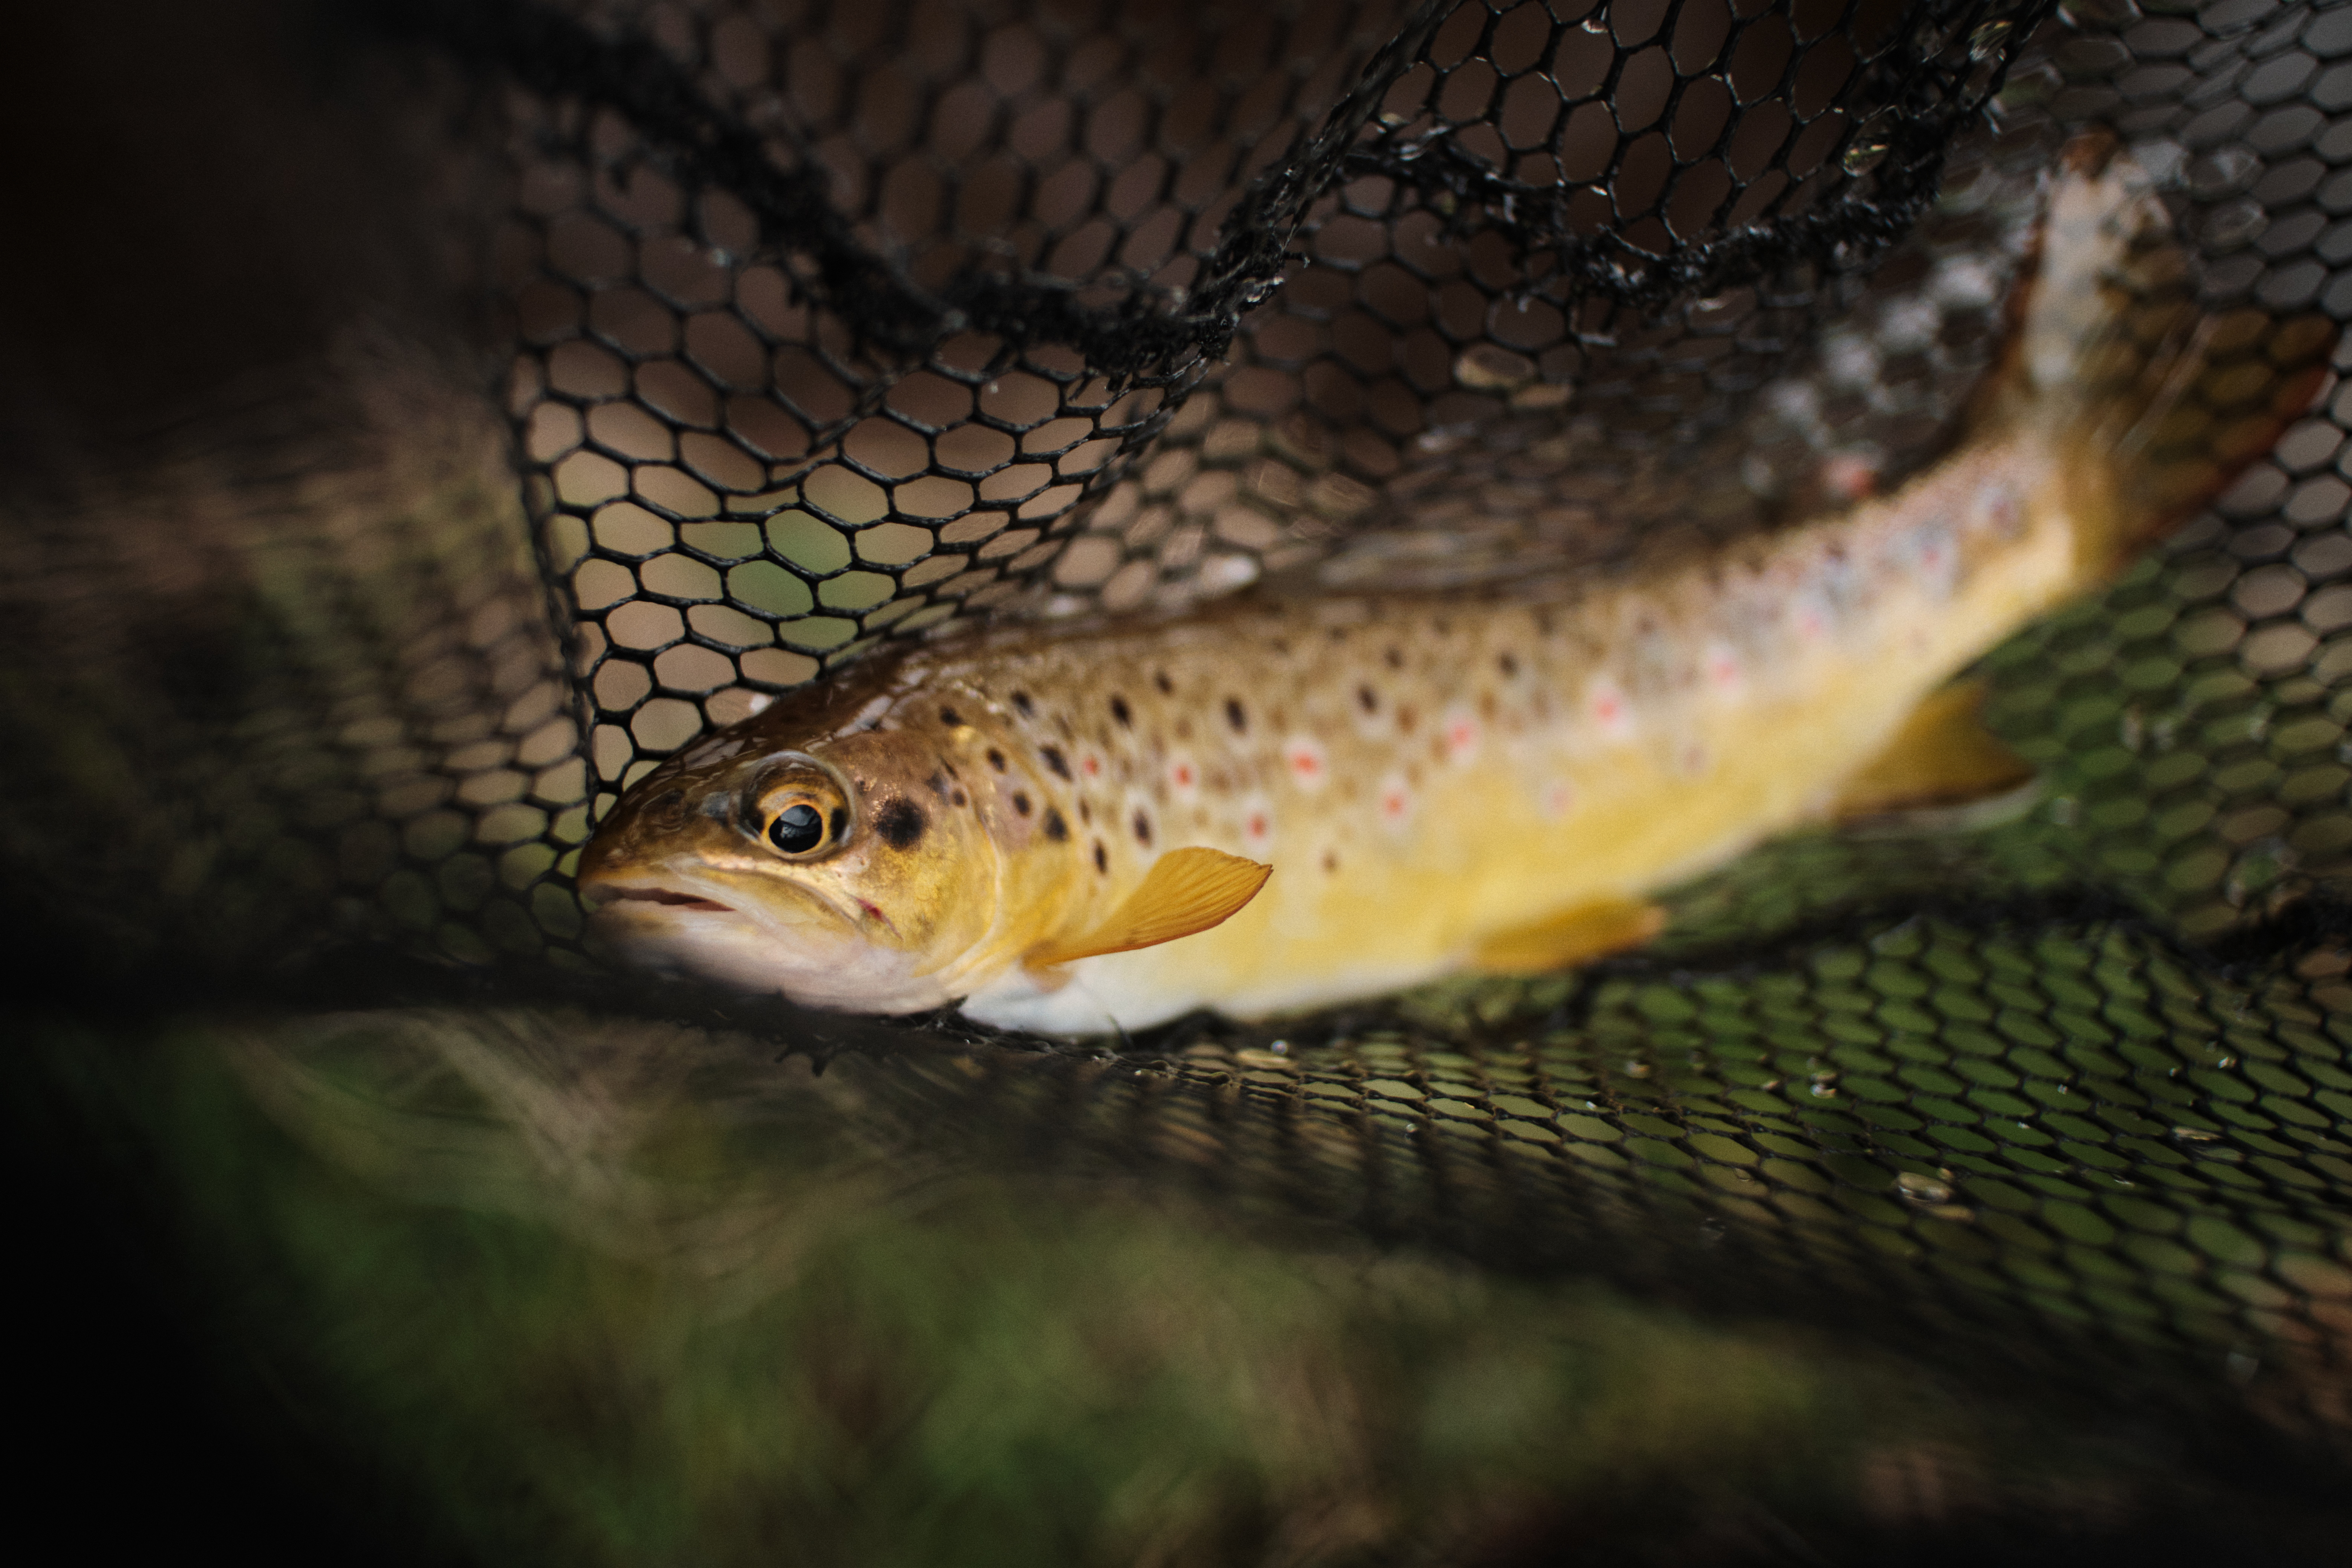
(761, 934)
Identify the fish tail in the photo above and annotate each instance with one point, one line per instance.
(2156, 402)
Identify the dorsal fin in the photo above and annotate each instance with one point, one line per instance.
(1186, 892)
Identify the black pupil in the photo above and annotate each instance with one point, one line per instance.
(797, 828)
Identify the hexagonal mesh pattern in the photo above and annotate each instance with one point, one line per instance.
(832, 323)
(824, 343)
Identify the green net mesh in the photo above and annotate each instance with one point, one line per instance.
(816, 326)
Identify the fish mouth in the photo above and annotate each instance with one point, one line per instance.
(607, 895)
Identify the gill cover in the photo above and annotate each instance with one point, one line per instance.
(827, 872)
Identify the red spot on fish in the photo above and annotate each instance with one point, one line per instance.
(1998, 503)
(1307, 764)
(1847, 478)
(1559, 799)
(1181, 774)
(1460, 737)
(1609, 709)
(1723, 670)
(1090, 765)
(1396, 801)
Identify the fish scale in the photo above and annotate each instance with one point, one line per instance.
(1434, 770)
(1071, 829)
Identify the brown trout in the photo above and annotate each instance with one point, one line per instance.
(1279, 803)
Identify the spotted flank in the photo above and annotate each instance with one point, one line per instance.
(1277, 803)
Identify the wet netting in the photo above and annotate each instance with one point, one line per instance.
(819, 326)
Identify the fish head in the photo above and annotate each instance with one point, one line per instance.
(840, 873)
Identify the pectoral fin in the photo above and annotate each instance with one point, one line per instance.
(1943, 755)
(1186, 892)
(1573, 936)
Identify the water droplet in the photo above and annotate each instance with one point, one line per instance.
(1864, 153)
(2224, 172)
(1489, 367)
(1280, 1048)
(1824, 1091)
(2090, 15)
(1921, 1189)
(1637, 1070)
(2195, 1135)
(2227, 1062)
(1987, 39)
(2233, 225)
(1543, 394)
(2242, 1366)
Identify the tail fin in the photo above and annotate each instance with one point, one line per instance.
(2160, 403)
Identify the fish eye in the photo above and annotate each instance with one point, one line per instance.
(797, 830)
(799, 806)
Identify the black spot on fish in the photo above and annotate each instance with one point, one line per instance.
(1235, 715)
(1143, 829)
(1020, 802)
(1281, 645)
(841, 823)
(996, 759)
(1085, 812)
(950, 718)
(1022, 704)
(1367, 701)
(1119, 711)
(1160, 679)
(1054, 760)
(1330, 860)
(900, 822)
(1183, 729)
(1102, 858)
(1395, 657)
(1056, 828)
(957, 798)
(937, 784)
(1508, 665)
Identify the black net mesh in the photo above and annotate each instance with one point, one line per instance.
(821, 325)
